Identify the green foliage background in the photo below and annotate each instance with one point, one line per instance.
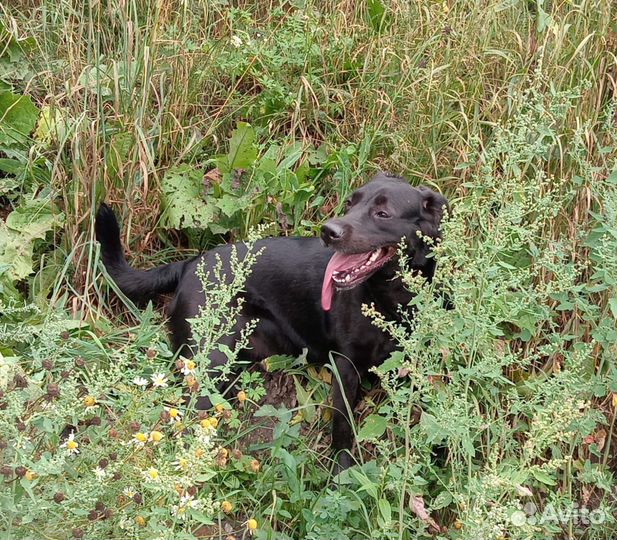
(200, 120)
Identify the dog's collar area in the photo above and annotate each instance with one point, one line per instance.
(345, 271)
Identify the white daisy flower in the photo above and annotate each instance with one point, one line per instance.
(174, 414)
(189, 367)
(178, 511)
(159, 380)
(100, 473)
(90, 403)
(186, 502)
(189, 500)
(129, 492)
(140, 381)
(181, 464)
(152, 475)
(236, 41)
(140, 439)
(71, 445)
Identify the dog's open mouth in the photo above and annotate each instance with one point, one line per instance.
(345, 271)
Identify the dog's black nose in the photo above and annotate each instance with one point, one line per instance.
(331, 232)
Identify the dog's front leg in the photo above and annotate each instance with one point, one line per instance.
(344, 398)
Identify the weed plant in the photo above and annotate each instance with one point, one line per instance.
(201, 120)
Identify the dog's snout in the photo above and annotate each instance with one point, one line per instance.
(332, 232)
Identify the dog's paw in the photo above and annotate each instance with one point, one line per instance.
(201, 403)
(343, 462)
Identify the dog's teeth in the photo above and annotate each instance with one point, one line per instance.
(348, 277)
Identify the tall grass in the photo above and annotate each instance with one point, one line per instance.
(436, 91)
(143, 85)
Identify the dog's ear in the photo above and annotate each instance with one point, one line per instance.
(433, 205)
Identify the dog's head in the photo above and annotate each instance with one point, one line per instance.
(377, 217)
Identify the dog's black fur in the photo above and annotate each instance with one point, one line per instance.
(284, 288)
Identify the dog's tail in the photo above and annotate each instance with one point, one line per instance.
(138, 285)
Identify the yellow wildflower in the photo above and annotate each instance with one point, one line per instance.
(89, 401)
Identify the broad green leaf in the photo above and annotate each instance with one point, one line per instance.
(8, 291)
(98, 79)
(544, 20)
(25, 224)
(230, 205)
(282, 412)
(278, 362)
(394, 362)
(543, 477)
(183, 201)
(442, 500)
(288, 459)
(52, 125)
(11, 166)
(205, 476)
(433, 430)
(467, 445)
(13, 64)
(18, 116)
(292, 155)
(373, 427)
(119, 148)
(34, 218)
(385, 510)
(201, 517)
(11, 48)
(365, 483)
(15, 253)
(242, 151)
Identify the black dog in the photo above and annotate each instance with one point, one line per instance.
(305, 292)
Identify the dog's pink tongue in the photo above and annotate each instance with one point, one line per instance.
(337, 263)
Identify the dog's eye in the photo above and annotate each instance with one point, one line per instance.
(382, 214)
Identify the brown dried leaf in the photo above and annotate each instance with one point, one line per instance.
(282, 217)
(403, 372)
(417, 506)
(212, 177)
(600, 437)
